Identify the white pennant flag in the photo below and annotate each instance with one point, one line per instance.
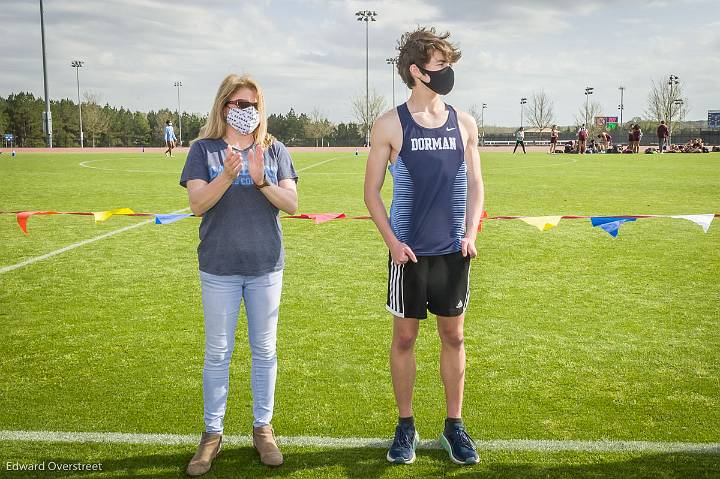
(702, 220)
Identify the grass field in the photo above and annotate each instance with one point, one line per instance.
(570, 334)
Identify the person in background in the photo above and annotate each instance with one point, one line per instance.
(520, 139)
(170, 138)
(605, 140)
(582, 139)
(553, 139)
(593, 146)
(662, 133)
(637, 136)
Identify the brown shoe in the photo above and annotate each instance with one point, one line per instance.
(208, 449)
(264, 443)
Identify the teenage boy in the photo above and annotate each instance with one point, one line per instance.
(437, 202)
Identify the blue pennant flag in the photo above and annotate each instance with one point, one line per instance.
(609, 224)
(167, 219)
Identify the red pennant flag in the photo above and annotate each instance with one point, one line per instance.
(324, 217)
(484, 215)
(319, 217)
(22, 217)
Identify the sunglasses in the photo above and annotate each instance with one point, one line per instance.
(242, 104)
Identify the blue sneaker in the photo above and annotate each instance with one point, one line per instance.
(403, 447)
(459, 445)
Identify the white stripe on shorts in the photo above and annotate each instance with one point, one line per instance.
(395, 286)
(391, 286)
(401, 304)
(467, 293)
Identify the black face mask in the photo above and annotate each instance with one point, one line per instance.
(441, 81)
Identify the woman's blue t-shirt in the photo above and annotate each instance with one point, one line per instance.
(241, 233)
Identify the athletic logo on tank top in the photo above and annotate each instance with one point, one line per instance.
(442, 143)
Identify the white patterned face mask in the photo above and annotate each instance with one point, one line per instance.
(243, 120)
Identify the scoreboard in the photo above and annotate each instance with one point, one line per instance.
(608, 122)
(714, 118)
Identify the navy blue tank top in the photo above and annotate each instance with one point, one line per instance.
(429, 186)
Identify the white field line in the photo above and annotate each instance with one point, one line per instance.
(45, 256)
(537, 445)
(574, 160)
(341, 173)
(86, 164)
(493, 169)
(323, 162)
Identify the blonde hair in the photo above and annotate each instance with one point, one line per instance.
(215, 125)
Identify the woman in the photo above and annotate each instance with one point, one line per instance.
(238, 177)
(553, 139)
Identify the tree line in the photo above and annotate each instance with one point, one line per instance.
(107, 126)
(22, 113)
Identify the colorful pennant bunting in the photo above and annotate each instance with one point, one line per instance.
(22, 217)
(610, 224)
(702, 220)
(483, 216)
(169, 218)
(104, 215)
(319, 217)
(543, 223)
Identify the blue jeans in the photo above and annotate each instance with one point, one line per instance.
(221, 297)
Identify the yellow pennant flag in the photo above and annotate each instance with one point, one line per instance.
(543, 223)
(103, 215)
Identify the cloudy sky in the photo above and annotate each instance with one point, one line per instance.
(311, 54)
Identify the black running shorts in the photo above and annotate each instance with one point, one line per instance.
(439, 284)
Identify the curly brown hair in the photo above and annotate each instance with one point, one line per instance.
(417, 48)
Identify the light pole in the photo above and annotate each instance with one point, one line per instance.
(392, 61)
(482, 123)
(621, 106)
(523, 101)
(673, 80)
(77, 64)
(178, 84)
(588, 92)
(367, 16)
(679, 102)
(47, 117)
